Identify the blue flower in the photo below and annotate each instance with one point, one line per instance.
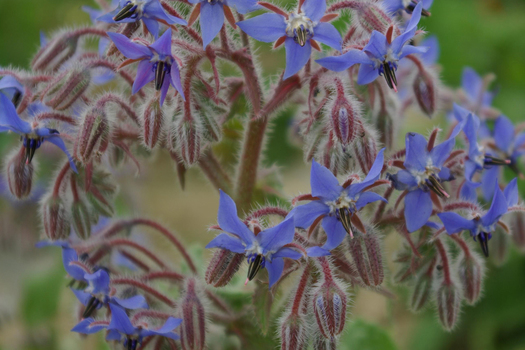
(299, 30)
(32, 135)
(481, 227)
(121, 328)
(10, 87)
(396, 6)
(264, 250)
(423, 171)
(380, 56)
(150, 12)
(156, 63)
(431, 56)
(337, 206)
(212, 13)
(476, 91)
(509, 142)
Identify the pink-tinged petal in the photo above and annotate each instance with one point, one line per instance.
(345, 61)
(162, 46)
(314, 9)
(128, 48)
(212, 19)
(267, 27)
(225, 241)
(145, 74)
(324, 184)
(418, 208)
(455, 223)
(335, 232)
(275, 270)
(296, 56)
(327, 34)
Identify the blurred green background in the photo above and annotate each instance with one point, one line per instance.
(36, 311)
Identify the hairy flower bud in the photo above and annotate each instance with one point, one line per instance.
(223, 265)
(56, 52)
(212, 129)
(365, 149)
(93, 130)
(67, 88)
(152, 122)
(500, 244)
(425, 91)
(188, 136)
(321, 343)
(421, 291)
(55, 219)
(372, 16)
(192, 312)
(517, 220)
(19, 174)
(448, 301)
(366, 253)
(81, 219)
(294, 332)
(470, 270)
(345, 115)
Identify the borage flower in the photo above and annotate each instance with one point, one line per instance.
(380, 56)
(478, 98)
(510, 142)
(482, 226)
(32, 134)
(299, 31)
(213, 12)
(397, 6)
(265, 249)
(121, 329)
(10, 87)
(156, 63)
(335, 205)
(150, 12)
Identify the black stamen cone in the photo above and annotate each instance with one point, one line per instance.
(160, 73)
(90, 307)
(16, 99)
(390, 75)
(132, 344)
(126, 12)
(435, 185)
(490, 160)
(255, 266)
(484, 243)
(345, 217)
(410, 8)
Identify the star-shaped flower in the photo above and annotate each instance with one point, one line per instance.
(156, 63)
(397, 6)
(380, 56)
(264, 250)
(150, 12)
(298, 30)
(33, 134)
(478, 98)
(482, 226)
(336, 206)
(511, 143)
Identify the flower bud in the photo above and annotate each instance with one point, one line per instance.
(421, 291)
(321, 343)
(55, 219)
(500, 243)
(67, 88)
(56, 52)
(448, 301)
(365, 149)
(366, 253)
(19, 174)
(517, 220)
(470, 270)
(425, 91)
(101, 192)
(94, 128)
(372, 16)
(345, 115)
(81, 218)
(188, 137)
(223, 265)
(294, 332)
(152, 122)
(193, 327)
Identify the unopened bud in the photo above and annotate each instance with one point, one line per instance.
(55, 219)
(499, 246)
(366, 253)
(517, 220)
(188, 136)
(19, 174)
(223, 265)
(56, 52)
(152, 122)
(470, 270)
(294, 332)
(212, 129)
(345, 113)
(67, 88)
(365, 149)
(421, 291)
(372, 16)
(193, 328)
(81, 219)
(448, 301)
(93, 130)
(321, 343)
(425, 91)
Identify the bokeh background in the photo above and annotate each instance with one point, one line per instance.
(36, 310)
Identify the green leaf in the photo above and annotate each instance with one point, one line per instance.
(365, 336)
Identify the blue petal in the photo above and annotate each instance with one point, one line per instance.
(133, 303)
(296, 56)
(304, 215)
(164, 90)
(323, 183)
(418, 208)
(368, 197)
(511, 193)
(60, 243)
(155, 10)
(113, 334)
(128, 48)
(57, 141)
(85, 328)
(345, 61)
(314, 9)
(228, 242)
(163, 45)
(82, 296)
(445, 174)
(274, 238)
(441, 152)
(472, 83)
(9, 86)
(393, 6)
(10, 119)
(69, 255)
(410, 30)
(403, 180)
(314, 252)
(377, 45)
(489, 181)
(468, 191)
(170, 324)
(504, 133)
(99, 281)
(93, 14)
(287, 253)
(367, 74)
(212, 19)
(455, 223)
(470, 169)
(229, 222)
(471, 130)
(373, 175)
(120, 321)
(427, 3)
(416, 152)
(335, 232)
(497, 208)
(267, 27)
(175, 79)
(275, 270)
(327, 34)
(152, 25)
(243, 6)
(431, 56)
(410, 49)
(145, 74)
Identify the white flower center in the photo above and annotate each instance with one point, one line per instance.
(299, 27)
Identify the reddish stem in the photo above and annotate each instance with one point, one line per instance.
(300, 293)
(148, 289)
(58, 182)
(444, 260)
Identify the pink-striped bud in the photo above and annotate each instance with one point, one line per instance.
(67, 88)
(55, 219)
(192, 312)
(223, 265)
(372, 16)
(471, 270)
(425, 91)
(81, 219)
(329, 302)
(345, 115)
(294, 332)
(94, 129)
(101, 192)
(366, 253)
(56, 52)
(189, 138)
(365, 148)
(421, 291)
(448, 301)
(499, 246)
(152, 122)
(321, 343)
(517, 220)
(19, 174)
(212, 131)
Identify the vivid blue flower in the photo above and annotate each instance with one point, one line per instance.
(212, 13)
(337, 206)
(12, 88)
(150, 12)
(476, 92)
(395, 7)
(32, 134)
(481, 227)
(121, 328)
(297, 29)
(380, 56)
(509, 142)
(264, 250)
(424, 172)
(156, 63)
(431, 56)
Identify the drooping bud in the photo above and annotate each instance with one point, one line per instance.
(517, 220)
(212, 129)
(152, 122)
(329, 302)
(189, 138)
(101, 192)
(500, 244)
(67, 88)
(425, 90)
(321, 343)
(448, 301)
(56, 52)
(422, 287)
(470, 270)
(192, 312)
(372, 16)
(19, 174)
(294, 332)
(365, 148)
(366, 253)
(223, 265)
(345, 115)
(55, 219)
(93, 130)
(81, 219)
